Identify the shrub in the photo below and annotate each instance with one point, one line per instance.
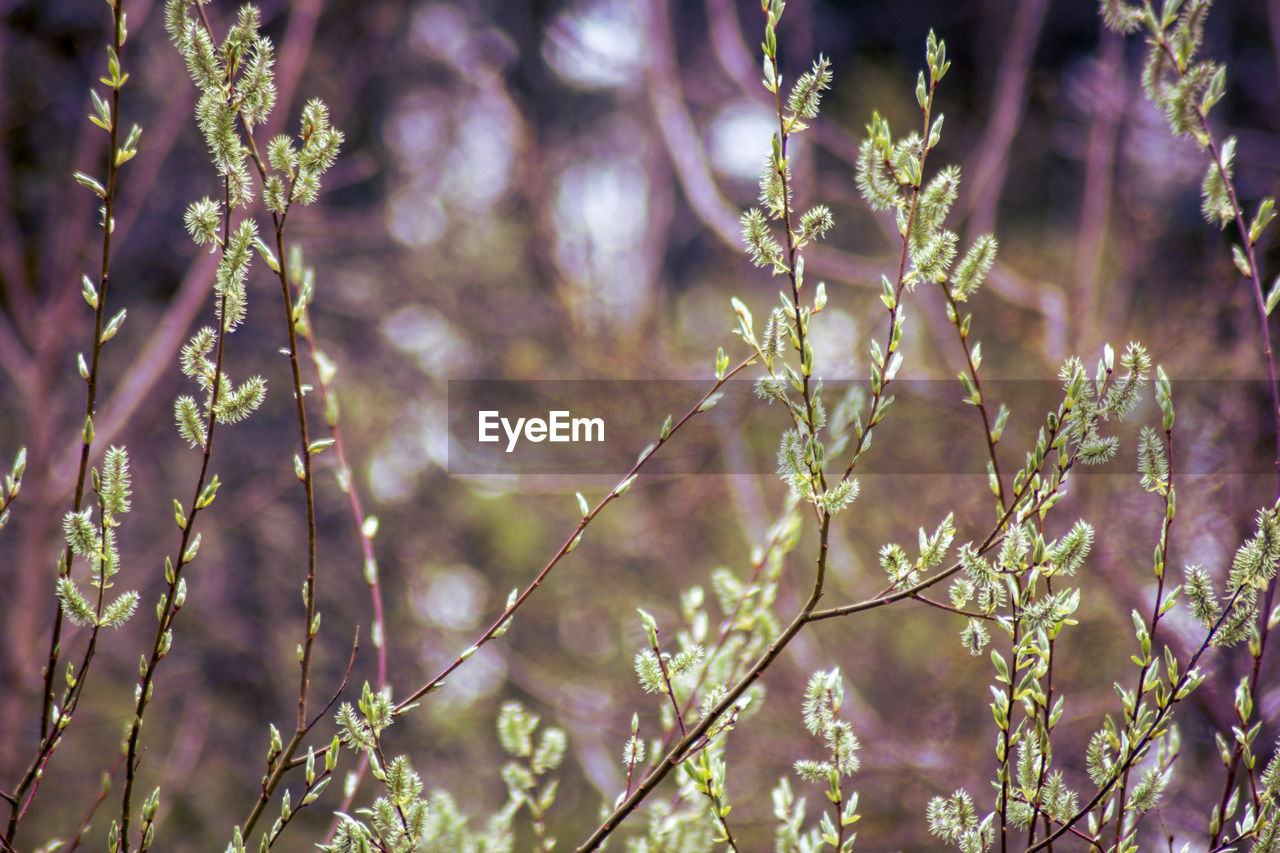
(1055, 764)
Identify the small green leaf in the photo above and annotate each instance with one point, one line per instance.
(268, 256)
(625, 485)
(89, 183)
(1214, 91)
(114, 325)
(1266, 212)
(887, 294)
(1002, 668)
(1273, 296)
(325, 368)
(209, 493)
(1242, 261)
(19, 468)
(315, 792)
(744, 316)
(650, 625)
(102, 111)
(935, 132)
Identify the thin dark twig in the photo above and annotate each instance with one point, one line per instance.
(726, 628)
(301, 725)
(170, 606)
(680, 750)
(960, 611)
(671, 694)
(346, 677)
(1015, 618)
(570, 543)
(329, 400)
(1211, 144)
(962, 334)
(97, 801)
(889, 595)
(50, 734)
(677, 753)
(879, 398)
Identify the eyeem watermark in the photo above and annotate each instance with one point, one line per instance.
(558, 427)
(534, 427)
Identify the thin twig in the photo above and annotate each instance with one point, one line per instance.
(50, 732)
(962, 333)
(1152, 623)
(170, 606)
(569, 544)
(1138, 749)
(878, 397)
(97, 801)
(682, 749)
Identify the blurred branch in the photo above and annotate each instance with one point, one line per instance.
(1008, 104)
(1273, 16)
(295, 49)
(730, 47)
(13, 356)
(13, 280)
(182, 759)
(1109, 83)
(670, 110)
(163, 130)
(684, 146)
(1038, 295)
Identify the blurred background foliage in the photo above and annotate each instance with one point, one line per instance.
(549, 190)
